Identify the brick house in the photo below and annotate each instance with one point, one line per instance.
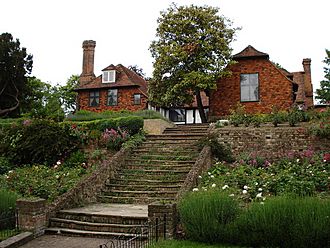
(118, 88)
(258, 84)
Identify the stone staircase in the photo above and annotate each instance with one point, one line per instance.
(155, 171)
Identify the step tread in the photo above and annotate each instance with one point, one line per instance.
(94, 223)
(143, 191)
(82, 232)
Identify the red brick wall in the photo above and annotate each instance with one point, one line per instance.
(274, 89)
(125, 100)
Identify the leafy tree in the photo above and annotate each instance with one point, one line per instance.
(323, 94)
(67, 94)
(139, 71)
(15, 64)
(191, 52)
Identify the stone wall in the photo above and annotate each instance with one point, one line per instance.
(202, 164)
(270, 142)
(156, 126)
(87, 190)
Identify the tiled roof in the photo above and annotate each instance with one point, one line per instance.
(124, 78)
(250, 52)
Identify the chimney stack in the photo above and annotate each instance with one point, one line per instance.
(308, 82)
(87, 74)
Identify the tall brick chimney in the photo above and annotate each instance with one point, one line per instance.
(308, 82)
(87, 74)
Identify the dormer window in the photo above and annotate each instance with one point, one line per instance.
(109, 76)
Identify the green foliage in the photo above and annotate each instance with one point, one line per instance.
(277, 117)
(42, 181)
(113, 139)
(220, 151)
(320, 129)
(294, 116)
(186, 244)
(76, 159)
(286, 222)
(39, 141)
(237, 115)
(67, 94)
(7, 200)
(5, 165)
(135, 140)
(15, 65)
(207, 216)
(323, 94)
(84, 115)
(191, 52)
(302, 174)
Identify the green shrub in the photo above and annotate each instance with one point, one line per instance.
(286, 222)
(131, 124)
(207, 216)
(42, 181)
(237, 115)
(76, 158)
(5, 165)
(41, 142)
(7, 200)
(219, 150)
(135, 140)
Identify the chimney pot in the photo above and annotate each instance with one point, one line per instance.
(87, 74)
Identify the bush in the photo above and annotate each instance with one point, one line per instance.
(219, 150)
(40, 142)
(5, 165)
(135, 140)
(207, 216)
(44, 182)
(286, 222)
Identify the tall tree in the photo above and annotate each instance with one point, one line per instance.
(323, 94)
(15, 65)
(67, 94)
(191, 51)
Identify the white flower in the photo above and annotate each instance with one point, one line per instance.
(209, 173)
(213, 185)
(259, 195)
(244, 191)
(264, 198)
(245, 187)
(58, 162)
(298, 160)
(231, 195)
(225, 187)
(256, 184)
(262, 203)
(212, 176)
(199, 176)
(57, 176)
(260, 189)
(11, 171)
(204, 188)
(55, 167)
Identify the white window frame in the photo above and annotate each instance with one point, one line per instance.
(109, 76)
(251, 86)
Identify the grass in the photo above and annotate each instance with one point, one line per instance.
(187, 244)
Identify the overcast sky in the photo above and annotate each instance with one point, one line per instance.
(53, 31)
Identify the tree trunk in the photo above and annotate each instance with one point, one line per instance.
(200, 106)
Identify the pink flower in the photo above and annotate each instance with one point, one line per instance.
(326, 157)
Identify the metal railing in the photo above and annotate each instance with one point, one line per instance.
(8, 224)
(142, 237)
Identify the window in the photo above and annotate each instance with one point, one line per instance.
(94, 98)
(249, 87)
(113, 97)
(178, 115)
(137, 99)
(109, 76)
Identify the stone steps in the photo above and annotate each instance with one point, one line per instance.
(159, 166)
(133, 200)
(158, 161)
(141, 187)
(140, 194)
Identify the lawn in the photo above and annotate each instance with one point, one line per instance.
(187, 244)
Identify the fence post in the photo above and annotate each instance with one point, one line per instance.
(32, 215)
(160, 210)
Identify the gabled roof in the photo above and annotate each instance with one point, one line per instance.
(250, 52)
(124, 78)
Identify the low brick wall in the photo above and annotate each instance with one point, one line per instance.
(86, 191)
(270, 142)
(156, 126)
(32, 215)
(161, 211)
(202, 164)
